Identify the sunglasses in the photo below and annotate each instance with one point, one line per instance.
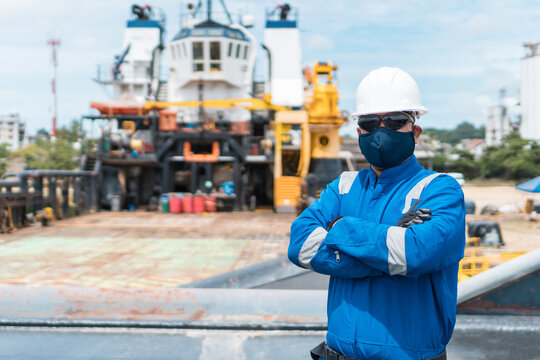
(393, 121)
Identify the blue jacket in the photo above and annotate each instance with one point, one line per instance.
(392, 292)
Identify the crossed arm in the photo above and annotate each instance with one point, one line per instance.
(357, 248)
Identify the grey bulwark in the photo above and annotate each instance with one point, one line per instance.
(278, 273)
(511, 288)
(43, 322)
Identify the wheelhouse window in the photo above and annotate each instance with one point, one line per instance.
(215, 56)
(215, 50)
(245, 52)
(198, 56)
(198, 53)
(172, 52)
(178, 51)
(237, 51)
(229, 52)
(184, 48)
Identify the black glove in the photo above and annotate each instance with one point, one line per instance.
(333, 222)
(414, 217)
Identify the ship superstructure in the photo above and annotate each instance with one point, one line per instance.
(203, 127)
(282, 42)
(134, 74)
(211, 60)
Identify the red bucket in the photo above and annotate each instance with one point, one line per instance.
(187, 203)
(198, 204)
(210, 204)
(175, 204)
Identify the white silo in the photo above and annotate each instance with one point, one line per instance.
(530, 93)
(498, 125)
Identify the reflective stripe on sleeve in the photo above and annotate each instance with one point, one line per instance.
(395, 242)
(416, 191)
(346, 180)
(310, 247)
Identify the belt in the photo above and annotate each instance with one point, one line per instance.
(323, 351)
(441, 356)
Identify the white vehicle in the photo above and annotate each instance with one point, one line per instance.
(458, 176)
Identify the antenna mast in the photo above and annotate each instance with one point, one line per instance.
(53, 43)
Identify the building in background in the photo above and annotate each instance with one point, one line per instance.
(502, 119)
(498, 125)
(474, 146)
(530, 93)
(12, 131)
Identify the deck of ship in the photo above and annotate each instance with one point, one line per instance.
(141, 249)
(110, 286)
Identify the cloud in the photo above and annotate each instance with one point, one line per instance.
(86, 42)
(318, 42)
(461, 53)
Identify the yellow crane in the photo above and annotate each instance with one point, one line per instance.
(248, 104)
(318, 128)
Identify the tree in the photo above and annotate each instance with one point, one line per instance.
(440, 163)
(43, 134)
(62, 156)
(465, 164)
(72, 132)
(4, 152)
(34, 155)
(4, 155)
(50, 155)
(465, 130)
(516, 159)
(53, 155)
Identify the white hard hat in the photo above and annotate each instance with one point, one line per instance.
(385, 90)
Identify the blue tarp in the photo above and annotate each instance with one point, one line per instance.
(532, 185)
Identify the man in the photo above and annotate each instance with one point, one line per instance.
(390, 237)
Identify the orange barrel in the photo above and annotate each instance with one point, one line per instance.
(198, 204)
(210, 204)
(187, 203)
(167, 120)
(175, 204)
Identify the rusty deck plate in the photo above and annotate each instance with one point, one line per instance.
(140, 249)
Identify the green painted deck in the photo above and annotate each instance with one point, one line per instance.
(184, 248)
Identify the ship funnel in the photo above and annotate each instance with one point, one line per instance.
(282, 41)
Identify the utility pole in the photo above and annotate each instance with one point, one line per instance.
(53, 43)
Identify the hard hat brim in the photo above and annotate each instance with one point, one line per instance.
(419, 111)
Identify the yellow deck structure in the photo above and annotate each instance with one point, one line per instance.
(475, 262)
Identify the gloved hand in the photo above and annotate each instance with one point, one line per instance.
(333, 223)
(414, 217)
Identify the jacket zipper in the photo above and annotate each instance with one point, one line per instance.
(337, 255)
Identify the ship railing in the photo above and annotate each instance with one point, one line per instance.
(187, 20)
(67, 193)
(107, 73)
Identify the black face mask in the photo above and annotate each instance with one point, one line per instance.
(385, 148)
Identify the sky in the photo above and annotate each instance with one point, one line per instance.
(461, 53)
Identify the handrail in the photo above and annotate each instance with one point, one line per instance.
(66, 192)
(498, 276)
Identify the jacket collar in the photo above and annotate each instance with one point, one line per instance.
(397, 173)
